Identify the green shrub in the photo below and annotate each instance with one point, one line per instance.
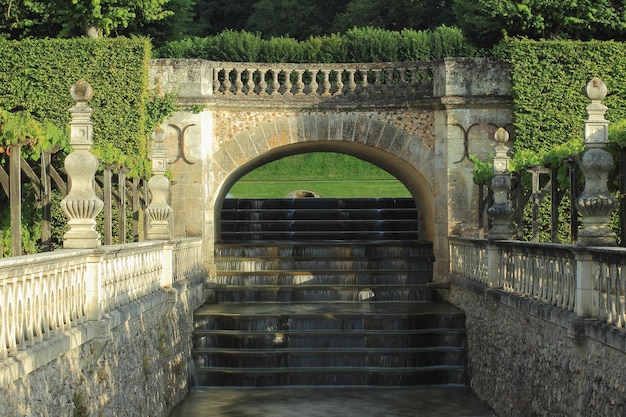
(36, 76)
(356, 45)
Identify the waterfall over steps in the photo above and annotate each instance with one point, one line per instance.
(335, 311)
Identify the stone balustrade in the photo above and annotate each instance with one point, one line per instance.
(468, 258)
(188, 260)
(590, 282)
(129, 275)
(51, 293)
(546, 272)
(40, 296)
(609, 286)
(322, 80)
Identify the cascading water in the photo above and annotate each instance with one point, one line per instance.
(327, 312)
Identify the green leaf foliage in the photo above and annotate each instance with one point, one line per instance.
(366, 44)
(548, 87)
(36, 77)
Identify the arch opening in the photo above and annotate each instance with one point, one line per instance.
(414, 182)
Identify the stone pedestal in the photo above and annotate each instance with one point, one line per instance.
(81, 205)
(501, 213)
(596, 203)
(159, 211)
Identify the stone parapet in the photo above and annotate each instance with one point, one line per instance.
(529, 358)
(98, 331)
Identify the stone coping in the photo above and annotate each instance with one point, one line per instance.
(97, 331)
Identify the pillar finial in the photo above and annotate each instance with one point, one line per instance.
(81, 205)
(501, 213)
(159, 211)
(596, 203)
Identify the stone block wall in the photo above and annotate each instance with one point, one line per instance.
(142, 371)
(527, 359)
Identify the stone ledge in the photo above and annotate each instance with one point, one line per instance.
(578, 328)
(44, 352)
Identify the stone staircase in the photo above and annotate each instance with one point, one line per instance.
(327, 312)
(306, 219)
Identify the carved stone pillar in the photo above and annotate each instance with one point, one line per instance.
(158, 211)
(501, 213)
(81, 205)
(596, 203)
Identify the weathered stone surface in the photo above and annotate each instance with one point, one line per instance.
(531, 359)
(414, 129)
(143, 370)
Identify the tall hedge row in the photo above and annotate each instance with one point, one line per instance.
(36, 76)
(356, 45)
(548, 82)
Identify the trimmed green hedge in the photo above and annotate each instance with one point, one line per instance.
(356, 45)
(548, 83)
(36, 76)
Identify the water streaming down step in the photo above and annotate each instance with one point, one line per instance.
(317, 304)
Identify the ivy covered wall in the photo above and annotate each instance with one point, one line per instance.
(36, 76)
(548, 86)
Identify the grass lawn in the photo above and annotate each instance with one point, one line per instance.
(328, 174)
(329, 189)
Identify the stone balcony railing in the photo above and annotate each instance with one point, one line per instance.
(51, 294)
(240, 84)
(322, 80)
(590, 282)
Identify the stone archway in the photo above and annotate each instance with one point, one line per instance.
(405, 156)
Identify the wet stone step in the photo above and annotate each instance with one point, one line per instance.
(345, 323)
(377, 279)
(324, 249)
(318, 263)
(325, 340)
(323, 235)
(330, 357)
(322, 312)
(315, 214)
(249, 295)
(389, 377)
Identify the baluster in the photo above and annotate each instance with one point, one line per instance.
(287, 84)
(325, 83)
(402, 81)
(339, 83)
(390, 83)
(299, 83)
(238, 82)
(227, 84)
(351, 83)
(262, 85)
(313, 86)
(275, 87)
(216, 80)
(378, 81)
(415, 79)
(364, 81)
(249, 82)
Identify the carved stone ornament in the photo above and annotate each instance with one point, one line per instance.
(596, 203)
(81, 205)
